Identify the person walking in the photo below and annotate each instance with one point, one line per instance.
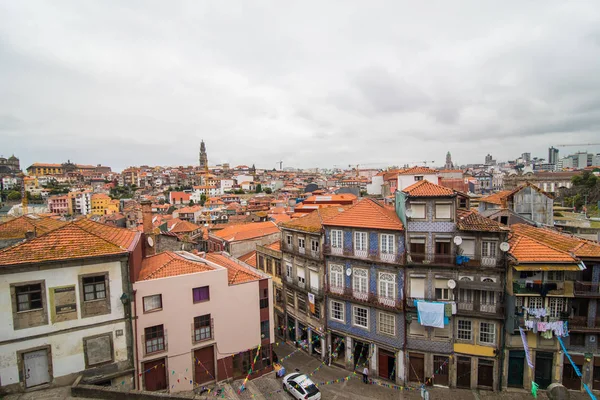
(366, 375)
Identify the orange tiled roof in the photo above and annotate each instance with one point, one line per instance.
(236, 273)
(470, 220)
(417, 171)
(495, 198)
(367, 213)
(279, 218)
(313, 222)
(527, 250)
(16, 228)
(184, 227)
(579, 247)
(254, 230)
(81, 239)
(275, 246)
(249, 258)
(169, 263)
(425, 188)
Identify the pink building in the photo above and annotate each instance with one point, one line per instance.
(60, 205)
(200, 320)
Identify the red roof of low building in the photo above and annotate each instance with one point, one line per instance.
(249, 258)
(471, 220)
(236, 272)
(417, 171)
(169, 263)
(254, 230)
(17, 228)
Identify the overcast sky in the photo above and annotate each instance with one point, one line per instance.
(312, 83)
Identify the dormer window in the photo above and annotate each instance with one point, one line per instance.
(418, 178)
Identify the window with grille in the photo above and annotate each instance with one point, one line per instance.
(337, 310)
(519, 303)
(360, 280)
(556, 305)
(201, 294)
(152, 303)
(488, 249)
(336, 238)
(336, 276)
(387, 285)
(360, 241)
(29, 297)
(94, 287)
(202, 328)
(387, 244)
(536, 302)
(155, 339)
(487, 332)
(317, 313)
(387, 323)
(464, 330)
(360, 316)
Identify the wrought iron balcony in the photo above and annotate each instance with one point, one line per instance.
(582, 324)
(395, 258)
(367, 298)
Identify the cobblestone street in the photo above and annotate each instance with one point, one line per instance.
(270, 387)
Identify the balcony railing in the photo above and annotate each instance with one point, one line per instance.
(580, 323)
(301, 251)
(432, 258)
(365, 254)
(372, 299)
(547, 288)
(587, 289)
(464, 306)
(304, 287)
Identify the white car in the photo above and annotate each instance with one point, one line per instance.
(301, 387)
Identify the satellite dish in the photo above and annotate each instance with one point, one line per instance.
(409, 213)
(504, 246)
(451, 283)
(348, 271)
(457, 240)
(150, 241)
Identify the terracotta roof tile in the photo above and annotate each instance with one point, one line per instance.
(367, 213)
(275, 246)
(579, 247)
(184, 227)
(169, 263)
(425, 188)
(495, 198)
(249, 258)
(417, 171)
(470, 220)
(246, 231)
(16, 228)
(527, 250)
(313, 221)
(236, 272)
(81, 239)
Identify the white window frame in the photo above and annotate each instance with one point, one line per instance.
(419, 206)
(489, 249)
(314, 245)
(341, 311)
(466, 331)
(337, 236)
(555, 306)
(491, 334)
(361, 240)
(301, 279)
(152, 298)
(289, 270)
(387, 285)
(537, 300)
(387, 243)
(385, 321)
(301, 243)
(360, 280)
(289, 240)
(355, 309)
(336, 275)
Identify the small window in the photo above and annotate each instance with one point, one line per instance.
(360, 316)
(418, 211)
(418, 178)
(337, 310)
(94, 288)
(201, 294)
(387, 245)
(487, 333)
(314, 245)
(360, 241)
(488, 249)
(277, 268)
(442, 294)
(387, 323)
(301, 243)
(202, 328)
(264, 298)
(288, 240)
(29, 297)
(288, 268)
(154, 337)
(464, 330)
(301, 303)
(336, 239)
(443, 211)
(264, 329)
(152, 303)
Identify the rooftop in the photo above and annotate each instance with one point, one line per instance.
(239, 232)
(249, 258)
(171, 263)
(424, 188)
(16, 228)
(313, 222)
(417, 171)
(236, 272)
(470, 220)
(367, 213)
(561, 241)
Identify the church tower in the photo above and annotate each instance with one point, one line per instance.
(449, 164)
(203, 157)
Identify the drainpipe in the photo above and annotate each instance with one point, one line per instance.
(135, 356)
(503, 330)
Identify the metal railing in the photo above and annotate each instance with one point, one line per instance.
(377, 255)
(364, 297)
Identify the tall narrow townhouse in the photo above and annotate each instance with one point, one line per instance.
(268, 260)
(64, 313)
(554, 279)
(455, 269)
(364, 252)
(302, 252)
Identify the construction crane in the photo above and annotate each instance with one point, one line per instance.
(577, 144)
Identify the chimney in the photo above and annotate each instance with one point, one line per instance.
(149, 243)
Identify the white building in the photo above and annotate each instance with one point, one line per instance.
(374, 188)
(226, 184)
(239, 179)
(409, 176)
(62, 312)
(83, 203)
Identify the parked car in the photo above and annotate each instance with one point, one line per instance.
(301, 387)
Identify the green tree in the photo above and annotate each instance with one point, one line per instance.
(191, 203)
(268, 190)
(14, 195)
(202, 199)
(258, 188)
